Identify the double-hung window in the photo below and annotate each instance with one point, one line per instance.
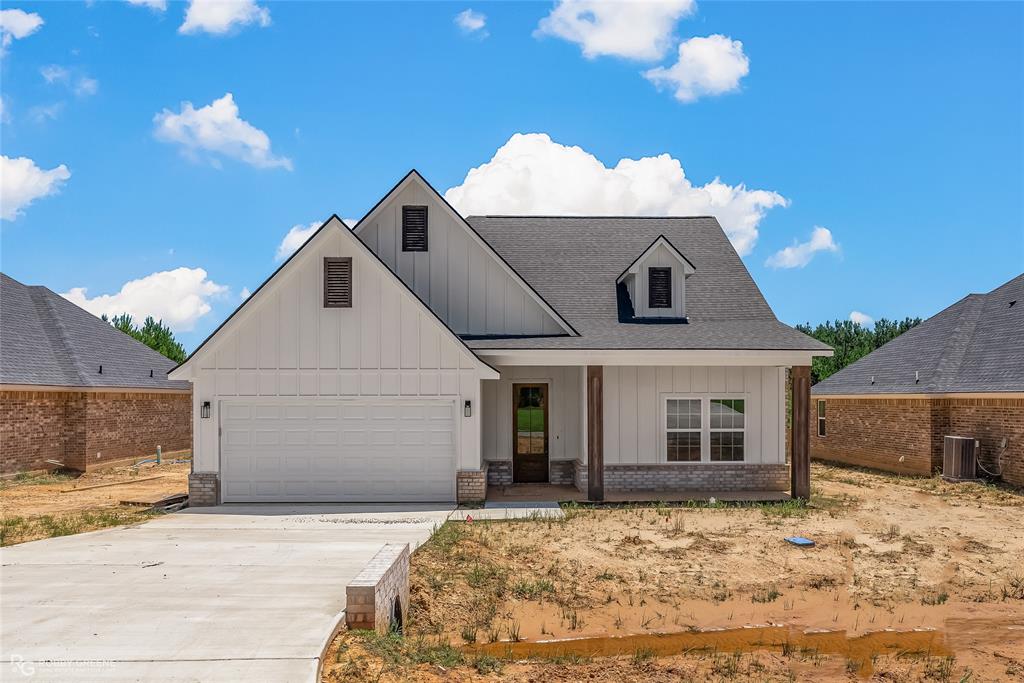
(705, 429)
(728, 427)
(683, 429)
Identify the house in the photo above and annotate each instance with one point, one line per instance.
(423, 356)
(959, 373)
(75, 392)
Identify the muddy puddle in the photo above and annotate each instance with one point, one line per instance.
(860, 649)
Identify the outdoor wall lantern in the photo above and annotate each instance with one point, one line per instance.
(467, 409)
(204, 412)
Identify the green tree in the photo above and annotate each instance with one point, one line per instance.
(153, 334)
(851, 341)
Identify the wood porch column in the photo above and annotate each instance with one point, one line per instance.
(595, 432)
(800, 459)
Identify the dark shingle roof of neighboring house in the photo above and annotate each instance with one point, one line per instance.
(573, 262)
(976, 345)
(45, 340)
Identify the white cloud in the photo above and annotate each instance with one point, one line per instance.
(472, 23)
(801, 253)
(155, 5)
(22, 182)
(54, 73)
(221, 16)
(862, 319)
(49, 112)
(179, 297)
(217, 129)
(82, 86)
(244, 294)
(707, 66)
(16, 24)
(634, 30)
(4, 117)
(86, 86)
(531, 174)
(294, 239)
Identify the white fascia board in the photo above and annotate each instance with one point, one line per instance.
(692, 357)
(414, 176)
(634, 267)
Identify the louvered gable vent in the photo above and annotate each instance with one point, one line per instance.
(414, 228)
(659, 287)
(337, 282)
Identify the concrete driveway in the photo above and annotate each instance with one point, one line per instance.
(234, 592)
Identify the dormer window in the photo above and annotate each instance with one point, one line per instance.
(659, 287)
(653, 287)
(414, 228)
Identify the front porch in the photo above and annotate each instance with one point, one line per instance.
(645, 433)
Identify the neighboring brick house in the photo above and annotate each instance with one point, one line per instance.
(77, 393)
(960, 373)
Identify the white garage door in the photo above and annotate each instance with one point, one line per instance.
(319, 450)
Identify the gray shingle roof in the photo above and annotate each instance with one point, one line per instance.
(573, 262)
(45, 340)
(976, 345)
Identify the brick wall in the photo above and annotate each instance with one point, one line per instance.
(380, 592)
(990, 421)
(876, 432)
(499, 472)
(203, 489)
(471, 485)
(73, 427)
(696, 477)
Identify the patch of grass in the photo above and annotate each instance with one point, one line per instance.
(1014, 588)
(769, 594)
(533, 590)
(15, 529)
(785, 509)
(37, 478)
(484, 574)
(486, 664)
(935, 598)
(642, 656)
(397, 651)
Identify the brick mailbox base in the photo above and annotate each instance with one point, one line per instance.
(378, 598)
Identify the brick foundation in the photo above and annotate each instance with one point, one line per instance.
(471, 485)
(379, 595)
(85, 429)
(499, 472)
(561, 472)
(878, 432)
(203, 489)
(698, 476)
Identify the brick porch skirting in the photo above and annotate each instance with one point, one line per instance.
(499, 472)
(697, 476)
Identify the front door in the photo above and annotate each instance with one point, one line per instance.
(530, 433)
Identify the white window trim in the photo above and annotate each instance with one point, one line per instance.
(665, 428)
(705, 428)
(746, 404)
(820, 417)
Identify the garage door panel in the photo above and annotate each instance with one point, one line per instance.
(325, 450)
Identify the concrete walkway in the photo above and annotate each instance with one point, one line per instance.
(234, 592)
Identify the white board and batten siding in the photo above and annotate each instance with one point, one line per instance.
(284, 354)
(634, 408)
(465, 284)
(565, 410)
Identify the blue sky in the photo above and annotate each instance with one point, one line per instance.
(898, 127)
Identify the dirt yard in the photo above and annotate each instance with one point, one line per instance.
(910, 579)
(47, 505)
